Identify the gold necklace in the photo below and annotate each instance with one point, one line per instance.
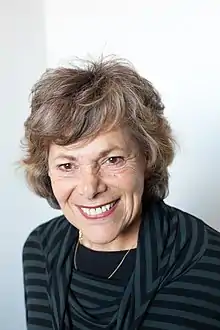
(114, 271)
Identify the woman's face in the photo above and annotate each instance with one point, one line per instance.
(99, 185)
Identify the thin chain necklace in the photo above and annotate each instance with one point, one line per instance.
(114, 271)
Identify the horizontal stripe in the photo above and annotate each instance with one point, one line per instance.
(186, 283)
(157, 325)
(40, 321)
(39, 315)
(39, 307)
(34, 263)
(97, 283)
(208, 275)
(203, 294)
(187, 304)
(35, 301)
(92, 294)
(185, 315)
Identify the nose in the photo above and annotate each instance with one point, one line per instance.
(90, 184)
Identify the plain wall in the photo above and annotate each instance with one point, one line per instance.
(175, 44)
(22, 59)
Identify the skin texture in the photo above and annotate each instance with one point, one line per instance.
(92, 173)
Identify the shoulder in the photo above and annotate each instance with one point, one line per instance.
(183, 216)
(213, 248)
(197, 227)
(205, 274)
(45, 228)
(43, 236)
(197, 236)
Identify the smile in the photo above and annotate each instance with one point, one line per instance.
(99, 211)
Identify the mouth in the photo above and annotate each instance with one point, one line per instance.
(97, 212)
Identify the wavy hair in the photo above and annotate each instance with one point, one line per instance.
(69, 104)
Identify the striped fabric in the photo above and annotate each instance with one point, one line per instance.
(99, 298)
(175, 284)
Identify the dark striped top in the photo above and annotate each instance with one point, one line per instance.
(175, 284)
(93, 298)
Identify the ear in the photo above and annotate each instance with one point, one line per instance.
(49, 173)
(49, 169)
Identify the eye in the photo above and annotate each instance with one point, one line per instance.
(116, 160)
(66, 167)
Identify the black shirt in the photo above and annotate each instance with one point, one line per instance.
(102, 264)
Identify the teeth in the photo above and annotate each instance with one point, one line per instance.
(104, 209)
(98, 210)
(108, 206)
(92, 212)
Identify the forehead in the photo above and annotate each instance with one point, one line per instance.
(119, 139)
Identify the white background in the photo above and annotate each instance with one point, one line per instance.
(175, 44)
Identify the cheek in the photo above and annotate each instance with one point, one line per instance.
(62, 189)
(131, 181)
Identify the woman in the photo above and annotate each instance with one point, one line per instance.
(98, 148)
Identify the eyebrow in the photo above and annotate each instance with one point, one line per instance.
(102, 153)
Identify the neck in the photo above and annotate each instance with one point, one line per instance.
(127, 240)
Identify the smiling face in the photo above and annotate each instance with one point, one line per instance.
(99, 187)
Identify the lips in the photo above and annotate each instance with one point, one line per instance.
(99, 211)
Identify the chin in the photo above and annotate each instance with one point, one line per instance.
(101, 238)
